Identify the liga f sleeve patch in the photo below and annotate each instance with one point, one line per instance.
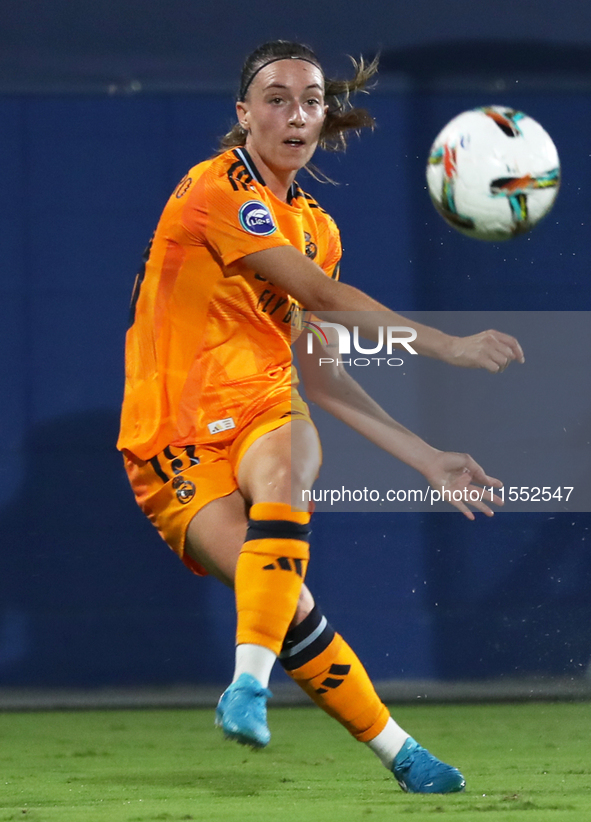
(256, 218)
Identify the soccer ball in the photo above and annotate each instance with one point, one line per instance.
(493, 173)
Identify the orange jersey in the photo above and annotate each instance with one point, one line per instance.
(210, 341)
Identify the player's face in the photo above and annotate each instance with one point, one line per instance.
(283, 114)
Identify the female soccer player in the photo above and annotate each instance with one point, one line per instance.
(216, 440)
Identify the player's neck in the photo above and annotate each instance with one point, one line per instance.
(279, 181)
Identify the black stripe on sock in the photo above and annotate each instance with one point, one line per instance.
(277, 529)
(332, 683)
(302, 632)
(339, 670)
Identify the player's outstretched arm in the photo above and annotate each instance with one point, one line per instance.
(303, 279)
(334, 390)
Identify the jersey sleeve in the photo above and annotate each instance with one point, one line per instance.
(232, 222)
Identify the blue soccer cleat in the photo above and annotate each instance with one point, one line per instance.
(418, 771)
(242, 712)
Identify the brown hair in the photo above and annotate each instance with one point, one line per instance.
(341, 116)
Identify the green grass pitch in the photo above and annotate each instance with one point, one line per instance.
(527, 761)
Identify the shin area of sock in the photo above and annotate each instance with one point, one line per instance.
(270, 572)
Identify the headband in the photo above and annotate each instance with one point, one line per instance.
(244, 88)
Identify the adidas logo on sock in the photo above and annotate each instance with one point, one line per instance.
(340, 671)
(285, 564)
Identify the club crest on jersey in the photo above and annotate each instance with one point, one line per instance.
(256, 218)
(185, 489)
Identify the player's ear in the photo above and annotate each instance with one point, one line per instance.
(243, 114)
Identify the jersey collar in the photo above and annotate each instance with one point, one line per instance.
(243, 155)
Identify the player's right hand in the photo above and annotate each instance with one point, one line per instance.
(492, 350)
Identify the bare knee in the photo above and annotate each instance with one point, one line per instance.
(280, 463)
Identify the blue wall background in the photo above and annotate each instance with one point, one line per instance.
(89, 595)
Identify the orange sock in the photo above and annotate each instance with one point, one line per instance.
(270, 571)
(330, 672)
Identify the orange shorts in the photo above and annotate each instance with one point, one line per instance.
(174, 485)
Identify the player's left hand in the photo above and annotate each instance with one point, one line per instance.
(492, 350)
(452, 471)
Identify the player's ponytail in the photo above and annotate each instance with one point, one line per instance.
(342, 116)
